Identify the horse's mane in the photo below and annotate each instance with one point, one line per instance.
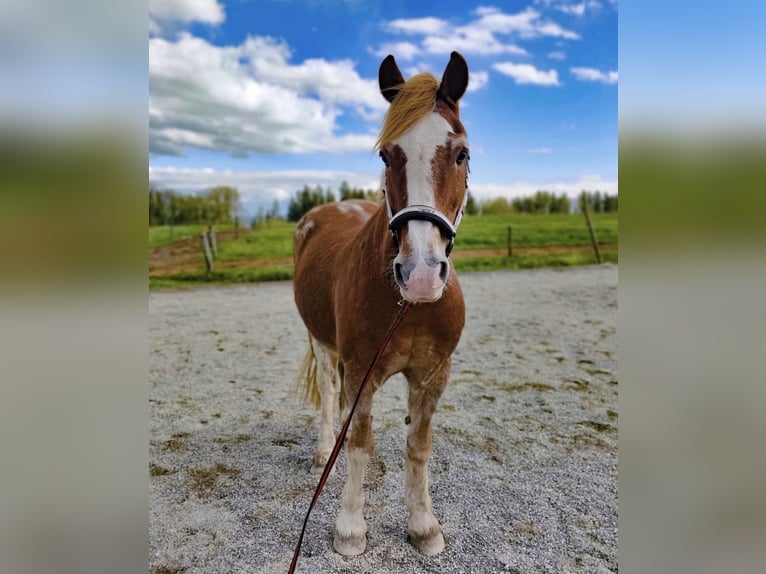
(416, 98)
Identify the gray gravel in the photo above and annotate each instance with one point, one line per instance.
(524, 465)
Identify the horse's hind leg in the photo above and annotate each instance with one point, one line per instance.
(328, 385)
(424, 530)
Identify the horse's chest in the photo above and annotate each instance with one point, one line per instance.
(417, 352)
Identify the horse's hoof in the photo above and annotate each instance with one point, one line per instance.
(318, 463)
(428, 545)
(349, 545)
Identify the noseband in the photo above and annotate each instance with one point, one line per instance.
(424, 213)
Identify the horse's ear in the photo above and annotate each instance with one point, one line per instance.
(455, 79)
(389, 78)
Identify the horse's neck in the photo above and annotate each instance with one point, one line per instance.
(375, 235)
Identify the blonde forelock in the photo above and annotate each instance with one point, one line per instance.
(415, 99)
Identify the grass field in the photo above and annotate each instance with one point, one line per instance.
(165, 234)
(266, 253)
(491, 231)
(272, 240)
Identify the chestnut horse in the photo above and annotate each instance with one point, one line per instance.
(355, 261)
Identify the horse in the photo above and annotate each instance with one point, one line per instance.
(356, 261)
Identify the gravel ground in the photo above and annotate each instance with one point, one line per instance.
(524, 465)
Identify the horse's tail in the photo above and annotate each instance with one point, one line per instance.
(306, 379)
(342, 402)
(307, 383)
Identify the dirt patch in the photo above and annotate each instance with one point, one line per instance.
(184, 254)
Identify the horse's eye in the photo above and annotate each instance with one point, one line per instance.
(462, 156)
(384, 158)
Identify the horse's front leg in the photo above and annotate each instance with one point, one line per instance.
(425, 388)
(350, 527)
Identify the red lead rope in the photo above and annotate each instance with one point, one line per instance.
(403, 306)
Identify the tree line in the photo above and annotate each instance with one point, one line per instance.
(599, 202)
(547, 202)
(221, 204)
(308, 198)
(218, 205)
(540, 202)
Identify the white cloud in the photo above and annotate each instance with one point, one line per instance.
(154, 27)
(594, 75)
(541, 150)
(528, 74)
(477, 80)
(250, 98)
(334, 82)
(573, 9)
(205, 11)
(401, 50)
(470, 40)
(498, 21)
(572, 188)
(417, 25)
(479, 36)
(558, 55)
(417, 68)
(554, 30)
(527, 24)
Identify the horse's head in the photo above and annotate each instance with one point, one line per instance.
(425, 151)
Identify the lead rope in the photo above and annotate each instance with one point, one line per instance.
(403, 306)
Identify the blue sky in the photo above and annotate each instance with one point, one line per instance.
(270, 95)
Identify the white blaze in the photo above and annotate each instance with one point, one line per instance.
(419, 146)
(421, 269)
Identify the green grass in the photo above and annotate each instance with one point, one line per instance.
(222, 276)
(491, 231)
(274, 241)
(533, 261)
(166, 234)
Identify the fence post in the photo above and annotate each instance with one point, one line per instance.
(206, 251)
(584, 207)
(510, 242)
(212, 239)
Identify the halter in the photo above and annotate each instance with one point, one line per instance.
(424, 213)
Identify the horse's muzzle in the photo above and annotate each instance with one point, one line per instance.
(421, 281)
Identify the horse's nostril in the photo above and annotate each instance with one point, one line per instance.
(444, 271)
(398, 273)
